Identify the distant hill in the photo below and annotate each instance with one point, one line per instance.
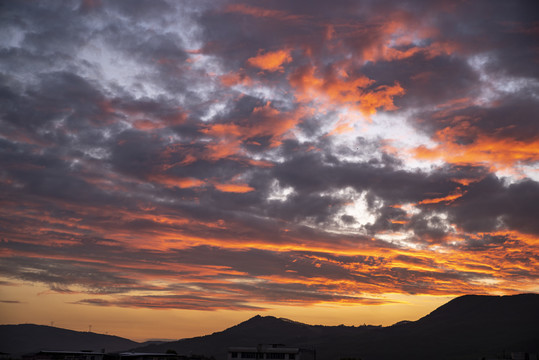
(27, 338)
(468, 327)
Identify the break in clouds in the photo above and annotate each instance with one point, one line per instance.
(237, 155)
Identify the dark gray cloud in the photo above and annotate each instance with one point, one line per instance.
(10, 301)
(490, 205)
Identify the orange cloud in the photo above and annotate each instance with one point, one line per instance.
(393, 36)
(264, 121)
(382, 97)
(227, 141)
(236, 78)
(494, 152)
(147, 125)
(341, 128)
(261, 12)
(400, 222)
(182, 183)
(339, 89)
(387, 53)
(466, 181)
(449, 198)
(270, 61)
(234, 188)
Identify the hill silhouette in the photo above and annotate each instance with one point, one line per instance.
(27, 338)
(468, 327)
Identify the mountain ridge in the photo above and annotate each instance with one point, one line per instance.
(467, 327)
(27, 338)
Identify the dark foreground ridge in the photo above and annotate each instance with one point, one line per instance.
(468, 327)
(27, 338)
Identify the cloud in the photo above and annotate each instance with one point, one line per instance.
(235, 188)
(270, 61)
(339, 89)
(10, 301)
(173, 302)
(237, 156)
(261, 12)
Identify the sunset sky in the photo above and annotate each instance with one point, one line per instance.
(171, 168)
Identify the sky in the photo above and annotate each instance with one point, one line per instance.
(171, 168)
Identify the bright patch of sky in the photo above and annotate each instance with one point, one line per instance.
(402, 239)
(354, 215)
(279, 193)
(356, 207)
(391, 130)
(531, 171)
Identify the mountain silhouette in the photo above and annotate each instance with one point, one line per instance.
(27, 338)
(468, 327)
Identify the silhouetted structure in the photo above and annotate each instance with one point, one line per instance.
(90, 355)
(64, 355)
(273, 351)
(148, 356)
